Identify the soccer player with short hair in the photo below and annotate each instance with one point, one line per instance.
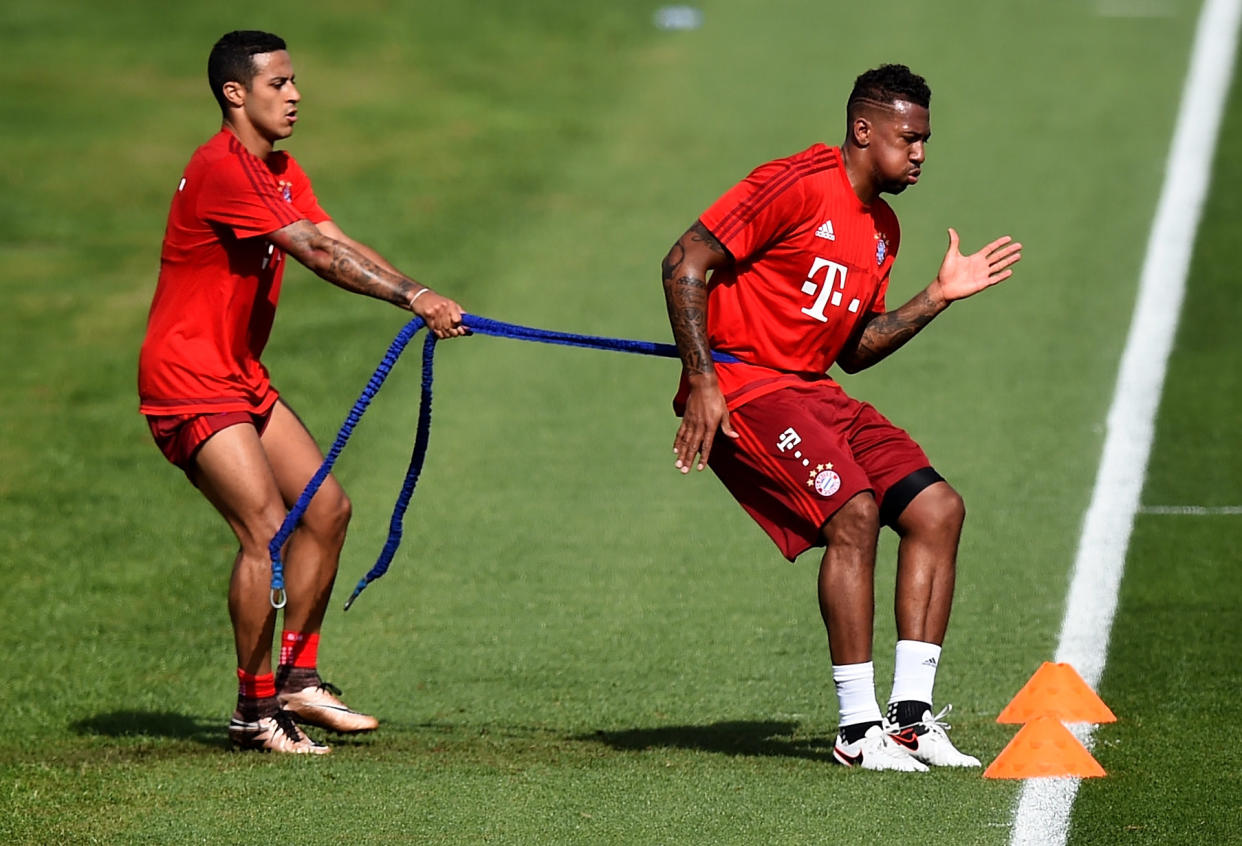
(239, 209)
(787, 272)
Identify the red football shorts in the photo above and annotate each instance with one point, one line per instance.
(179, 436)
(804, 451)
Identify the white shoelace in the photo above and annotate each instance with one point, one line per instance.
(936, 722)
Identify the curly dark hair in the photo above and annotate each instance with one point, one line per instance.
(232, 59)
(889, 84)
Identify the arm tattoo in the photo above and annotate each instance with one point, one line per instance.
(672, 261)
(351, 269)
(685, 292)
(687, 312)
(886, 333)
(348, 268)
(699, 232)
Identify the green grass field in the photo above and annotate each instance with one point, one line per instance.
(575, 644)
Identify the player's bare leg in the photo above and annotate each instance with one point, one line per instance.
(847, 579)
(314, 549)
(930, 528)
(847, 604)
(311, 560)
(232, 471)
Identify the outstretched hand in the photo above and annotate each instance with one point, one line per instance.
(961, 276)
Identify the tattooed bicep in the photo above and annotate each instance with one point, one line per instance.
(700, 233)
(697, 253)
(672, 261)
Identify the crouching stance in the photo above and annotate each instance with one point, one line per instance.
(787, 273)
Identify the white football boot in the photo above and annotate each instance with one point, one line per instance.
(928, 741)
(876, 751)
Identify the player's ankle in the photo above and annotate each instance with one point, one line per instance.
(290, 678)
(906, 712)
(254, 708)
(855, 731)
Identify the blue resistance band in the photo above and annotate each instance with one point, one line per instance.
(478, 325)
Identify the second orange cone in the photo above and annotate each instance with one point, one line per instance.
(1044, 747)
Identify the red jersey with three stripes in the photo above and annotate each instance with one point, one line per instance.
(220, 280)
(810, 260)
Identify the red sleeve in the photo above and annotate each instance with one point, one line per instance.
(758, 210)
(241, 193)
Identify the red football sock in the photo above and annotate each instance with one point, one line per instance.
(251, 686)
(299, 649)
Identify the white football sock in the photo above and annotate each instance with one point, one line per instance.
(856, 693)
(914, 674)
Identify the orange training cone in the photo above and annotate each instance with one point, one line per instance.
(1044, 747)
(1056, 690)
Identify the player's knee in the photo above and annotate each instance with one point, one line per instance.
(329, 514)
(939, 508)
(255, 533)
(950, 508)
(344, 512)
(857, 523)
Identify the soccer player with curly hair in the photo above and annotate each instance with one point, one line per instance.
(787, 273)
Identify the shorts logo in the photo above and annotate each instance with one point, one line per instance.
(825, 480)
(788, 439)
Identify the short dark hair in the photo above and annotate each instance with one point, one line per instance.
(232, 59)
(889, 84)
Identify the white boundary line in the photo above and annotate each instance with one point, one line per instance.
(1042, 814)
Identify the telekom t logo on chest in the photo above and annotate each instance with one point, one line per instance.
(829, 291)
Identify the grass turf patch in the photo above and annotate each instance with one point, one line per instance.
(575, 644)
(1172, 660)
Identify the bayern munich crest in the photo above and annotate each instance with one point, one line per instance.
(824, 480)
(881, 248)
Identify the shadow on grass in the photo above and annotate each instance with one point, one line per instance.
(153, 724)
(757, 738)
(165, 725)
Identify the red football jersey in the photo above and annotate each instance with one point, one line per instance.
(220, 280)
(810, 259)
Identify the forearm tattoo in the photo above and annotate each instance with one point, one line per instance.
(685, 293)
(351, 269)
(888, 332)
(348, 268)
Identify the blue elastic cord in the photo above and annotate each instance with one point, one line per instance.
(396, 524)
(347, 428)
(476, 324)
